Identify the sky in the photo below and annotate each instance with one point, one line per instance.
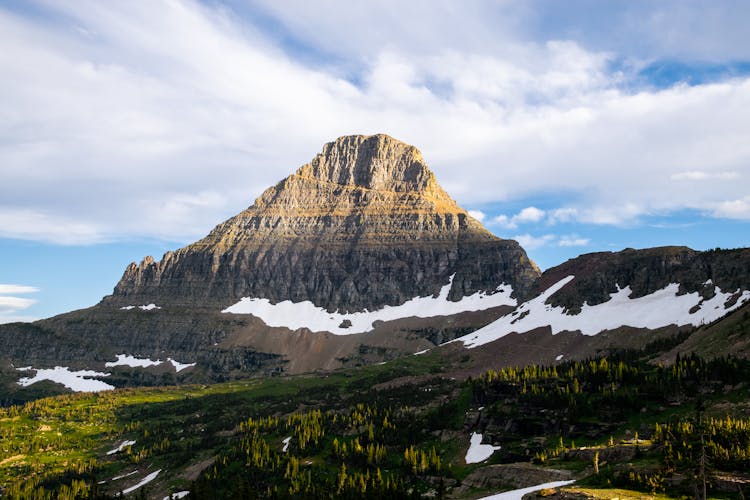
(132, 128)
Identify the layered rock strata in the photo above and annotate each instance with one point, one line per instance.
(363, 225)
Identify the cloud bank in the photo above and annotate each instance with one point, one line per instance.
(160, 119)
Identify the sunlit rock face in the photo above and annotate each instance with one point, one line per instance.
(363, 225)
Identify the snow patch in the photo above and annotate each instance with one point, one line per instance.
(661, 308)
(124, 475)
(149, 307)
(76, 381)
(518, 494)
(559, 357)
(178, 495)
(421, 352)
(477, 451)
(143, 482)
(295, 315)
(130, 360)
(121, 447)
(178, 367)
(286, 443)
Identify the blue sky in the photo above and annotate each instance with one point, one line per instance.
(133, 128)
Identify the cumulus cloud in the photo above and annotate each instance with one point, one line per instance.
(529, 214)
(160, 119)
(10, 305)
(477, 214)
(526, 215)
(734, 209)
(503, 220)
(530, 242)
(562, 215)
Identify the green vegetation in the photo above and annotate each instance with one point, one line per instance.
(590, 402)
(398, 431)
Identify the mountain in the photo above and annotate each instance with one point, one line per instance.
(360, 257)
(671, 298)
(357, 257)
(363, 225)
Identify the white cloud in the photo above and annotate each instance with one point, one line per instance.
(477, 214)
(615, 215)
(734, 209)
(529, 214)
(562, 215)
(11, 305)
(573, 241)
(504, 221)
(12, 289)
(697, 175)
(32, 225)
(15, 303)
(525, 216)
(530, 242)
(159, 120)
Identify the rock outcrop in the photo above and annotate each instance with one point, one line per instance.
(645, 271)
(363, 225)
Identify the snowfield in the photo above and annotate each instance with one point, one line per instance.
(477, 451)
(518, 494)
(77, 381)
(178, 367)
(661, 308)
(119, 448)
(295, 315)
(175, 496)
(143, 482)
(128, 360)
(132, 361)
(149, 307)
(83, 381)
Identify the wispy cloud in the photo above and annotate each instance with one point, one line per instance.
(160, 119)
(573, 241)
(11, 289)
(530, 242)
(29, 224)
(10, 305)
(697, 175)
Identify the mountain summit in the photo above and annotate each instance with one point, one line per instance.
(363, 225)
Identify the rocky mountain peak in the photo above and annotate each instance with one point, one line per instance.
(377, 162)
(363, 225)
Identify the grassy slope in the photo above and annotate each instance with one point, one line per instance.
(182, 430)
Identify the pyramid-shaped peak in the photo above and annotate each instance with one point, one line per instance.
(371, 161)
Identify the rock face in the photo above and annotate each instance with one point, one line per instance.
(597, 275)
(363, 225)
(613, 298)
